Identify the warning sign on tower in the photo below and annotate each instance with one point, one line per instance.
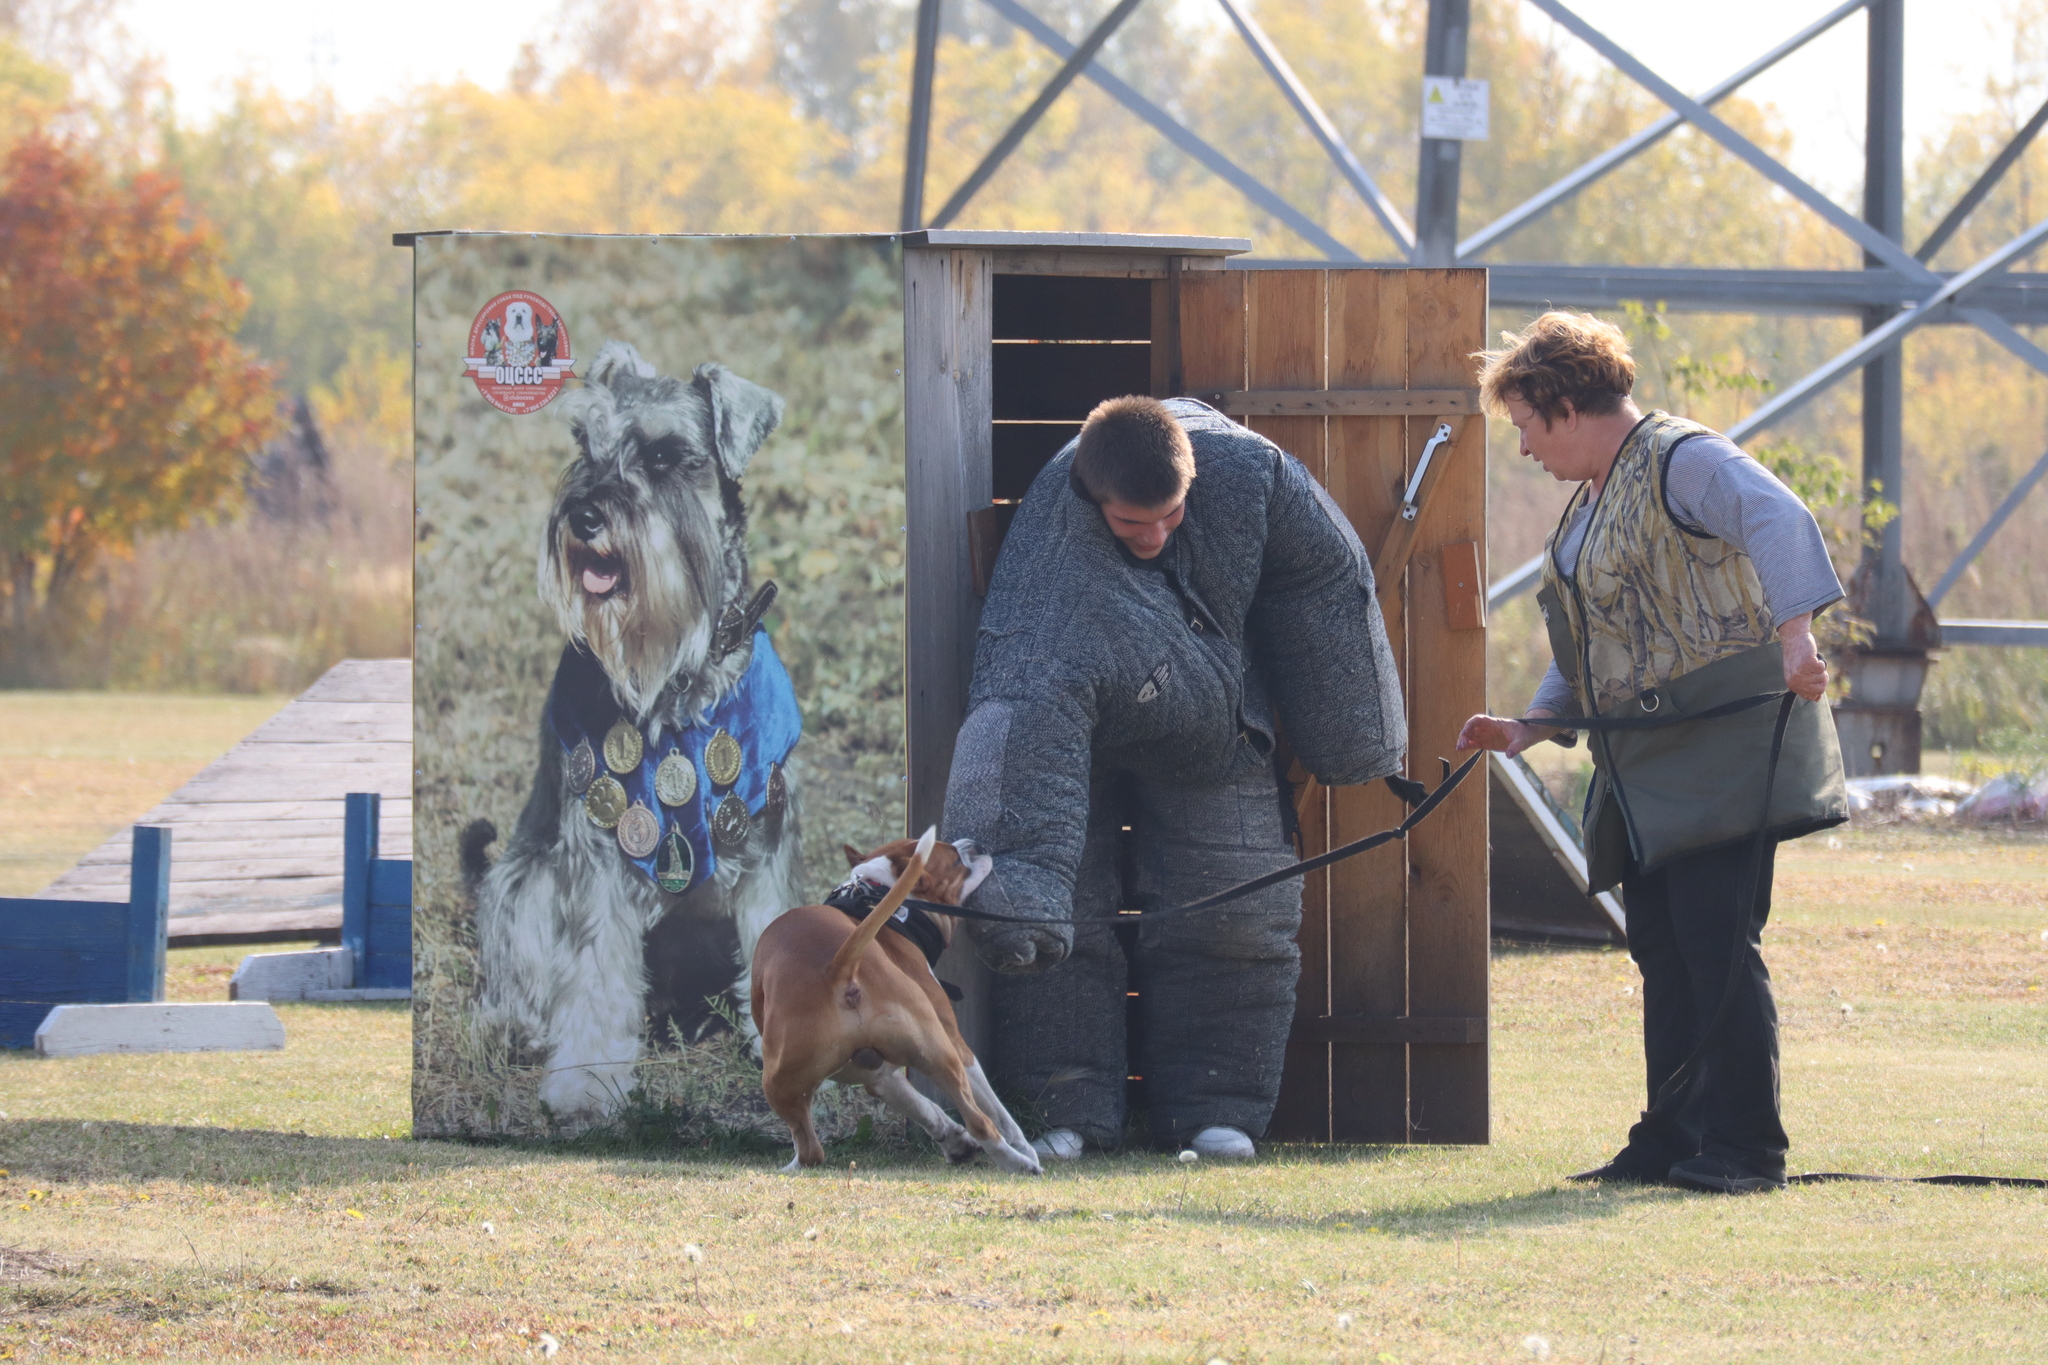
(1454, 108)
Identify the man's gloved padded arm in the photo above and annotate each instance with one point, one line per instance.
(1019, 789)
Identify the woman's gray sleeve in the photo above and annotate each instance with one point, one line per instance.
(1553, 694)
(1713, 487)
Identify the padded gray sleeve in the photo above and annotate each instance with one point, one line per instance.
(1319, 639)
(1019, 789)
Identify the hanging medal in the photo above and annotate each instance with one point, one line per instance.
(605, 802)
(676, 864)
(722, 759)
(639, 831)
(622, 748)
(729, 822)
(580, 768)
(675, 780)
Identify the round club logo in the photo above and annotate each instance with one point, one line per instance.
(519, 352)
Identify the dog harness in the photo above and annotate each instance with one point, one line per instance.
(677, 803)
(856, 896)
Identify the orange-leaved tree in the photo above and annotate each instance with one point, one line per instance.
(126, 405)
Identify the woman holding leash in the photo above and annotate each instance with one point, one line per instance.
(1679, 591)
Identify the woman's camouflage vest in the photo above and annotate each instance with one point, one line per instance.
(1653, 601)
(1656, 620)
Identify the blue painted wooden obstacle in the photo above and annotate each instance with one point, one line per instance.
(376, 901)
(91, 952)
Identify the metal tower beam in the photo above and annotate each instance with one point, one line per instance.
(1180, 136)
(920, 132)
(1519, 217)
(1319, 124)
(1436, 175)
(1882, 340)
(1076, 61)
(1889, 603)
(1987, 182)
(1998, 516)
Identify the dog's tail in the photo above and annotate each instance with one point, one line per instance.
(474, 843)
(840, 970)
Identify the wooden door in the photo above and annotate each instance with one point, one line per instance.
(1351, 371)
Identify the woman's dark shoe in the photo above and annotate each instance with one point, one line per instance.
(1719, 1175)
(1630, 1166)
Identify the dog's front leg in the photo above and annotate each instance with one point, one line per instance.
(894, 1089)
(600, 999)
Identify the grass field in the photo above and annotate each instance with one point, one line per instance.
(270, 1205)
(77, 766)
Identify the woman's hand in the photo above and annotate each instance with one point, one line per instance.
(1503, 736)
(1806, 673)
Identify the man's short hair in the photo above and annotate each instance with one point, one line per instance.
(1133, 451)
(1560, 358)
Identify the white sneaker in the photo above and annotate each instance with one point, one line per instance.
(1061, 1144)
(1229, 1144)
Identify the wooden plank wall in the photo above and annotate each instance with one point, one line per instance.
(1399, 935)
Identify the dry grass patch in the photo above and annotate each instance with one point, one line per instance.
(77, 766)
(180, 1213)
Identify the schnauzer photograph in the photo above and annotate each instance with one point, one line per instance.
(657, 684)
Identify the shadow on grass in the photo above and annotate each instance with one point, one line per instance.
(96, 1150)
(64, 1149)
(1430, 1222)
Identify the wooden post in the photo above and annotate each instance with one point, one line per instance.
(358, 851)
(1369, 459)
(947, 397)
(149, 907)
(1285, 349)
(1448, 932)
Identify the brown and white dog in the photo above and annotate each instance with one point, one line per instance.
(846, 1002)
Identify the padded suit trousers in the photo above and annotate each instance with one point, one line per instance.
(1681, 932)
(1215, 988)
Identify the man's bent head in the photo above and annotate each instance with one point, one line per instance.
(1135, 462)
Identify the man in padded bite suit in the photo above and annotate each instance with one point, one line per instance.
(1172, 584)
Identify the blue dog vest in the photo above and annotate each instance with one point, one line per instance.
(734, 759)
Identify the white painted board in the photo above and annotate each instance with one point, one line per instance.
(292, 976)
(83, 1030)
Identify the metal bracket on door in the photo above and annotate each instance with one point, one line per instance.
(1411, 501)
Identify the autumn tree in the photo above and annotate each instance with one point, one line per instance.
(126, 405)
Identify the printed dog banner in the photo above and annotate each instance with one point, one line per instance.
(657, 683)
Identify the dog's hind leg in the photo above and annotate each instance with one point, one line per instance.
(985, 1096)
(950, 1075)
(894, 1089)
(792, 1103)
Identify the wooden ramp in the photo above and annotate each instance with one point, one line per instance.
(256, 838)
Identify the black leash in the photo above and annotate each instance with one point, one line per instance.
(1423, 810)
(2018, 1182)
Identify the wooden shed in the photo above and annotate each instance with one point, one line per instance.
(1010, 339)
